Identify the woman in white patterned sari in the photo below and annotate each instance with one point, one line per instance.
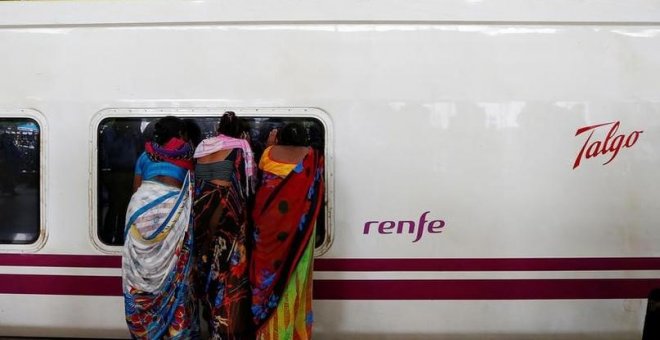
(157, 261)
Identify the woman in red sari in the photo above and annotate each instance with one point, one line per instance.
(286, 207)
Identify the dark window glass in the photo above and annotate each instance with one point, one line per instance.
(19, 181)
(121, 141)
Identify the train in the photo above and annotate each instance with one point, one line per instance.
(491, 166)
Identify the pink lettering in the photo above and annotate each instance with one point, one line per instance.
(410, 227)
(613, 142)
(366, 226)
(435, 229)
(420, 226)
(382, 227)
(592, 151)
(634, 134)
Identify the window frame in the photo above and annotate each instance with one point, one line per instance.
(40, 120)
(309, 112)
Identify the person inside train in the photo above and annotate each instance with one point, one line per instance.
(192, 133)
(121, 146)
(9, 161)
(157, 256)
(224, 174)
(286, 206)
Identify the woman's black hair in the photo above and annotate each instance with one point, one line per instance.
(230, 125)
(167, 128)
(316, 137)
(193, 131)
(293, 134)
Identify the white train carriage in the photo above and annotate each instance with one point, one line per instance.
(492, 167)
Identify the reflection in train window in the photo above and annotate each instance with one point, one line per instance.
(121, 141)
(19, 181)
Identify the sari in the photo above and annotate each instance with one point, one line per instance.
(157, 263)
(222, 256)
(157, 255)
(284, 219)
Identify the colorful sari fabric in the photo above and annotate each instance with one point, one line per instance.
(175, 151)
(284, 217)
(222, 256)
(157, 263)
(268, 165)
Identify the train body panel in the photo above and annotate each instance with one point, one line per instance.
(492, 167)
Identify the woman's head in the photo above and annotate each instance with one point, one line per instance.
(167, 128)
(293, 134)
(193, 133)
(230, 125)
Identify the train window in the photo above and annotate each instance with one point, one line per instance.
(19, 181)
(121, 141)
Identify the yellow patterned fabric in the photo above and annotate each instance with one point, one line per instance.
(293, 316)
(275, 167)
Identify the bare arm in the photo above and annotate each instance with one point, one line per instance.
(272, 138)
(137, 181)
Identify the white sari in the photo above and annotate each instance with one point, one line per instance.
(157, 262)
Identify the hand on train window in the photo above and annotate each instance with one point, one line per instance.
(272, 138)
(246, 135)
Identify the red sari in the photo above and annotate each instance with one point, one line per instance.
(284, 218)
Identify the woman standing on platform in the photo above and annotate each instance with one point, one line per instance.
(156, 258)
(286, 207)
(225, 172)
